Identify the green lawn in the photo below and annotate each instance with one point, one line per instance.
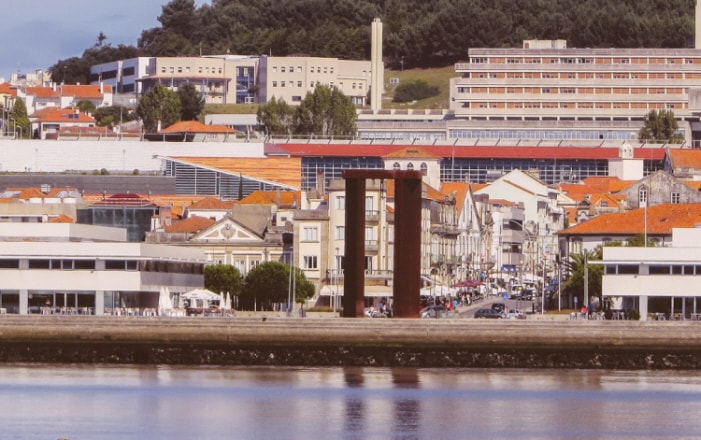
(436, 77)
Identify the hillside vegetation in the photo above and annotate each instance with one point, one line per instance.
(417, 33)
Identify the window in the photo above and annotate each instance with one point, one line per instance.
(642, 196)
(424, 168)
(410, 166)
(310, 233)
(340, 232)
(676, 197)
(340, 202)
(396, 166)
(310, 262)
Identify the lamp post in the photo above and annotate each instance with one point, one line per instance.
(335, 292)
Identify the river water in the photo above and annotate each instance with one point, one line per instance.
(87, 402)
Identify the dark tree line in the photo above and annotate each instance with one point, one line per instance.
(417, 33)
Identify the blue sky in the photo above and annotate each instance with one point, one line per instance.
(37, 33)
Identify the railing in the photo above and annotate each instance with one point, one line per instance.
(372, 216)
(371, 245)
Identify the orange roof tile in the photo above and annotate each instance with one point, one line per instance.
(63, 218)
(431, 192)
(86, 91)
(8, 89)
(190, 225)
(53, 114)
(460, 190)
(283, 170)
(607, 184)
(660, 220)
(287, 198)
(42, 92)
(682, 158)
(196, 127)
(411, 153)
(212, 203)
(31, 193)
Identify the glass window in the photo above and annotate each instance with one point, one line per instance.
(310, 262)
(310, 233)
(341, 202)
(340, 232)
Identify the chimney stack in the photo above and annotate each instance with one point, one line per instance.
(377, 74)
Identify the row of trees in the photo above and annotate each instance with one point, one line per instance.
(164, 106)
(417, 33)
(326, 111)
(263, 286)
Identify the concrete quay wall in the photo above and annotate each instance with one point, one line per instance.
(359, 342)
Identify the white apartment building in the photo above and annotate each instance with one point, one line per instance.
(83, 269)
(549, 91)
(658, 282)
(291, 78)
(231, 79)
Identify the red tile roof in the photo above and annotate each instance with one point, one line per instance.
(212, 203)
(686, 158)
(287, 198)
(459, 189)
(53, 114)
(84, 91)
(8, 89)
(660, 220)
(63, 218)
(190, 225)
(196, 127)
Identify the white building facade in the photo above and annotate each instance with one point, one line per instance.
(658, 282)
(83, 269)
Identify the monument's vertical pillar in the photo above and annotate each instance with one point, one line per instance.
(407, 248)
(354, 261)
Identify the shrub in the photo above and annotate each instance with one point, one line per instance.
(633, 315)
(414, 91)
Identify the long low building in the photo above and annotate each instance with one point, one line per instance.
(82, 269)
(658, 282)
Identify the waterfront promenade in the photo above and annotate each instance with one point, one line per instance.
(268, 340)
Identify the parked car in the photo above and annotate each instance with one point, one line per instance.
(433, 311)
(499, 307)
(527, 294)
(515, 314)
(488, 314)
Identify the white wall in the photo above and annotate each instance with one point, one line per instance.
(61, 156)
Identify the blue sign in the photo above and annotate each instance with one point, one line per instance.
(504, 295)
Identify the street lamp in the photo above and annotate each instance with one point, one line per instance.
(335, 292)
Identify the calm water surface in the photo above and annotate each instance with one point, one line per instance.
(134, 402)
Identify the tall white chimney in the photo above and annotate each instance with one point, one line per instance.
(377, 66)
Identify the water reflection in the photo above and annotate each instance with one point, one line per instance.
(108, 402)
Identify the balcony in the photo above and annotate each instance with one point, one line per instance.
(372, 245)
(372, 216)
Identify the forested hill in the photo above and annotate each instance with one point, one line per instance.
(417, 33)
(423, 33)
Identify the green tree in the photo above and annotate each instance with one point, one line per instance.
(114, 115)
(191, 102)
(86, 106)
(326, 112)
(19, 120)
(574, 265)
(660, 126)
(269, 283)
(276, 117)
(222, 278)
(158, 105)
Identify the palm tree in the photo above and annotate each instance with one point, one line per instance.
(574, 266)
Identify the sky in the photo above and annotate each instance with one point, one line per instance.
(37, 33)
